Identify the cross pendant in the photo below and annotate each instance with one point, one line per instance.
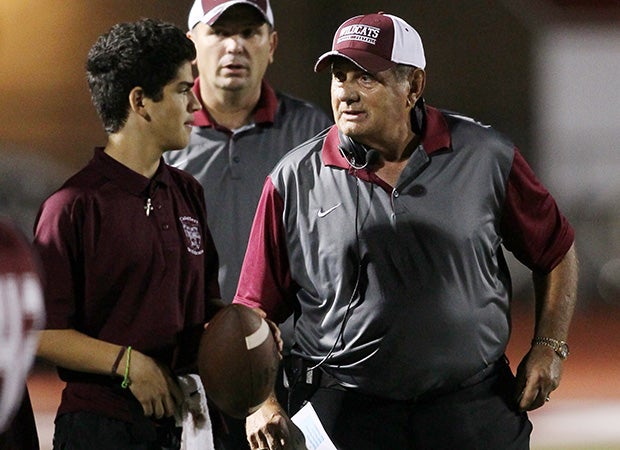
(148, 207)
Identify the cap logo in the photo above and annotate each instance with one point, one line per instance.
(363, 33)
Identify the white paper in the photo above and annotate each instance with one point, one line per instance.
(310, 425)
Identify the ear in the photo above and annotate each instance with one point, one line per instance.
(137, 101)
(273, 44)
(417, 81)
(190, 36)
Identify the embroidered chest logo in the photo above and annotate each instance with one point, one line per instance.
(193, 239)
(323, 213)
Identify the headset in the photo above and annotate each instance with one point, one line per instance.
(359, 157)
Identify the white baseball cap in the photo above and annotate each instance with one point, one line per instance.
(376, 42)
(208, 11)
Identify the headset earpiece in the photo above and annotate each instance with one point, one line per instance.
(418, 117)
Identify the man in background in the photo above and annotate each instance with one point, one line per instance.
(243, 129)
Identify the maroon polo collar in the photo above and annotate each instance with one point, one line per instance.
(264, 112)
(126, 178)
(436, 137)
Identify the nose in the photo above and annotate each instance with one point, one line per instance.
(345, 92)
(234, 43)
(194, 103)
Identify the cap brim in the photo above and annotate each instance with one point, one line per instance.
(216, 17)
(214, 14)
(364, 60)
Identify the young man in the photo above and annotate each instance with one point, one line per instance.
(384, 235)
(243, 129)
(130, 266)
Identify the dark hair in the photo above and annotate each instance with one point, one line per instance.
(146, 53)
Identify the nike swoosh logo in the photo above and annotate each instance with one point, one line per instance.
(322, 213)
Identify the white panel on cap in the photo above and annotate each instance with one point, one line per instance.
(407, 48)
(197, 14)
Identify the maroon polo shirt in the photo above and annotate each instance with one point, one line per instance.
(118, 274)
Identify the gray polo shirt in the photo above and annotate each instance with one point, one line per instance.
(232, 166)
(431, 307)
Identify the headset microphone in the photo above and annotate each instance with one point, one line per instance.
(372, 156)
(357, 155)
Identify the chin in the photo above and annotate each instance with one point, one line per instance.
(178, 145)
(350, 129)
(235, 84)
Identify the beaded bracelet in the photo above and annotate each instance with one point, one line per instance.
(126, 381)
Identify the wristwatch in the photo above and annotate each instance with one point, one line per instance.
(560, 347)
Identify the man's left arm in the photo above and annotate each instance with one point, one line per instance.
(540, 370)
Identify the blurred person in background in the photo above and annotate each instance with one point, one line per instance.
(21, 317)
(243, 129)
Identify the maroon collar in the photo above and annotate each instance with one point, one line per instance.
(264, 112)
(126, 178)
(436, 137)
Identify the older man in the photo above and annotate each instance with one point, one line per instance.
(384, 236)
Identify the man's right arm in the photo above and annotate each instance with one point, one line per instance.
(151, 383)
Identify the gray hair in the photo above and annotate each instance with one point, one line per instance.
(403, 71)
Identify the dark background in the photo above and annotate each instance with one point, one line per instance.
(477, 62)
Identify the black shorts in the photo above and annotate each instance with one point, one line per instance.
(91, 431)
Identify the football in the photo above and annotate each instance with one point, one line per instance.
(238, 360)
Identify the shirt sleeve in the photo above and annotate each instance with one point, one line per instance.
(532, 226)
(265, 280)
(56, 241)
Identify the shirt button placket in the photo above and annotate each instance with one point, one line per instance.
(393, 197)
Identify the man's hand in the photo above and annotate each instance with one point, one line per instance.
(269, 428)
(154, 386)
(538, 375)
(275, 330)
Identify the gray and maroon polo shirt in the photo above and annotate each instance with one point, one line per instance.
(431, 307)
